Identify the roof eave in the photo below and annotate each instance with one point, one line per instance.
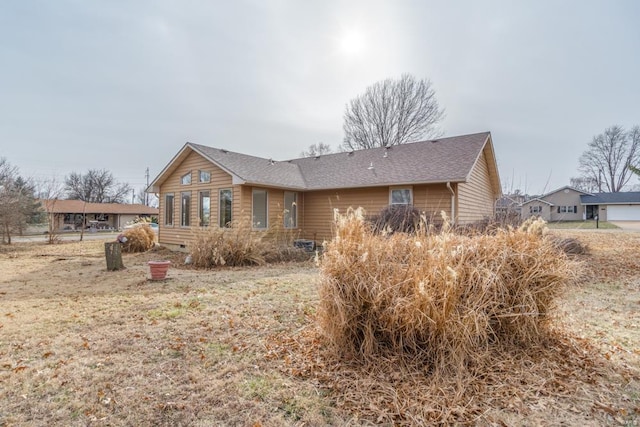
(494, 172)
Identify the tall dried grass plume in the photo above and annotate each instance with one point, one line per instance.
(440, 297)
(138, 239)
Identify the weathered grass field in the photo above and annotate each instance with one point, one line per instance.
(83, 346)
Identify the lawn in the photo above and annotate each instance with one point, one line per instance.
(581, 225)
(238, 346)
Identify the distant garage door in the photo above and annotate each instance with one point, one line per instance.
(623, 213)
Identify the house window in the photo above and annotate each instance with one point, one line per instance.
(259, 209)
(567, 209)
(185, 208)
(186, 179)
(168, 209)
(204, 208)
(400, 196)
(204, 176)
(535, 209)
(226, 205)
(290, 209)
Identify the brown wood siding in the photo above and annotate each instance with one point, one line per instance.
(275, 206)
(432, 200)
(175, 234)
(318, 206)
(476, 199)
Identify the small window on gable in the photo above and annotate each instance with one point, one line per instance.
(401, 196)
(186, 179)
(204, 176)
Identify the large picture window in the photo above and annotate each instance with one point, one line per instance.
(185, 208)
(400, 196)
(168, 209)
(226, 207)
(204, 208)
(290, 209)
(259, 209)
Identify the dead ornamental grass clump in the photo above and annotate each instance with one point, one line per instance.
(441, 298)
(233, 246)
(139, 239)
(238, 245)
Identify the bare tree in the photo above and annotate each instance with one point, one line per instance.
(608, 158)
(392, 112)
(585, 184)
(317, 149)
(96, 186)
(18, 206)
(49, 192)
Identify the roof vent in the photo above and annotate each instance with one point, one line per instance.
(433, 141)
(385, 154)
(350, 153)
(224, 151)
(370, 166)
(271, 161)
(317, 157)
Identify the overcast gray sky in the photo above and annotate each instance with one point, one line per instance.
(122, 85)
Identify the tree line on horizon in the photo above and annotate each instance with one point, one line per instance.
(20, 196)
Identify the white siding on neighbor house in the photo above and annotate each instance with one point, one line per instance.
(623, 213)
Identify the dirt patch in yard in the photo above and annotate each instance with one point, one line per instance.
(83, 346)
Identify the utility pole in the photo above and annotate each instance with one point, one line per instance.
(146, 195)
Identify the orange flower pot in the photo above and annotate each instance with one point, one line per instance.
(159, 269)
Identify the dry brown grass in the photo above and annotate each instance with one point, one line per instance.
(239, 245)
(239, 346)
(442, 298)
(139, 239)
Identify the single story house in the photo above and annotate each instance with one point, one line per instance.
(622, 206)
(210, 187)
(71, 215)
(562, 204)
(570, 204)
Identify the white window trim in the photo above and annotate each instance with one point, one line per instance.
(403, 187)
(266, 196)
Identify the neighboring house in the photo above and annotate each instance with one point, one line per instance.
(204, 186)
(70, 215)
(570, 204)
(509, 206)
(562, 204)
(613, 206)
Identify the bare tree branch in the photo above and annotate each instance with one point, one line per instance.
(317, 149)
(392, 112)
(609, 156)
(96, 186)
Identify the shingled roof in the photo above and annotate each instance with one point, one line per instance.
(621, 198)
(434, 161)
